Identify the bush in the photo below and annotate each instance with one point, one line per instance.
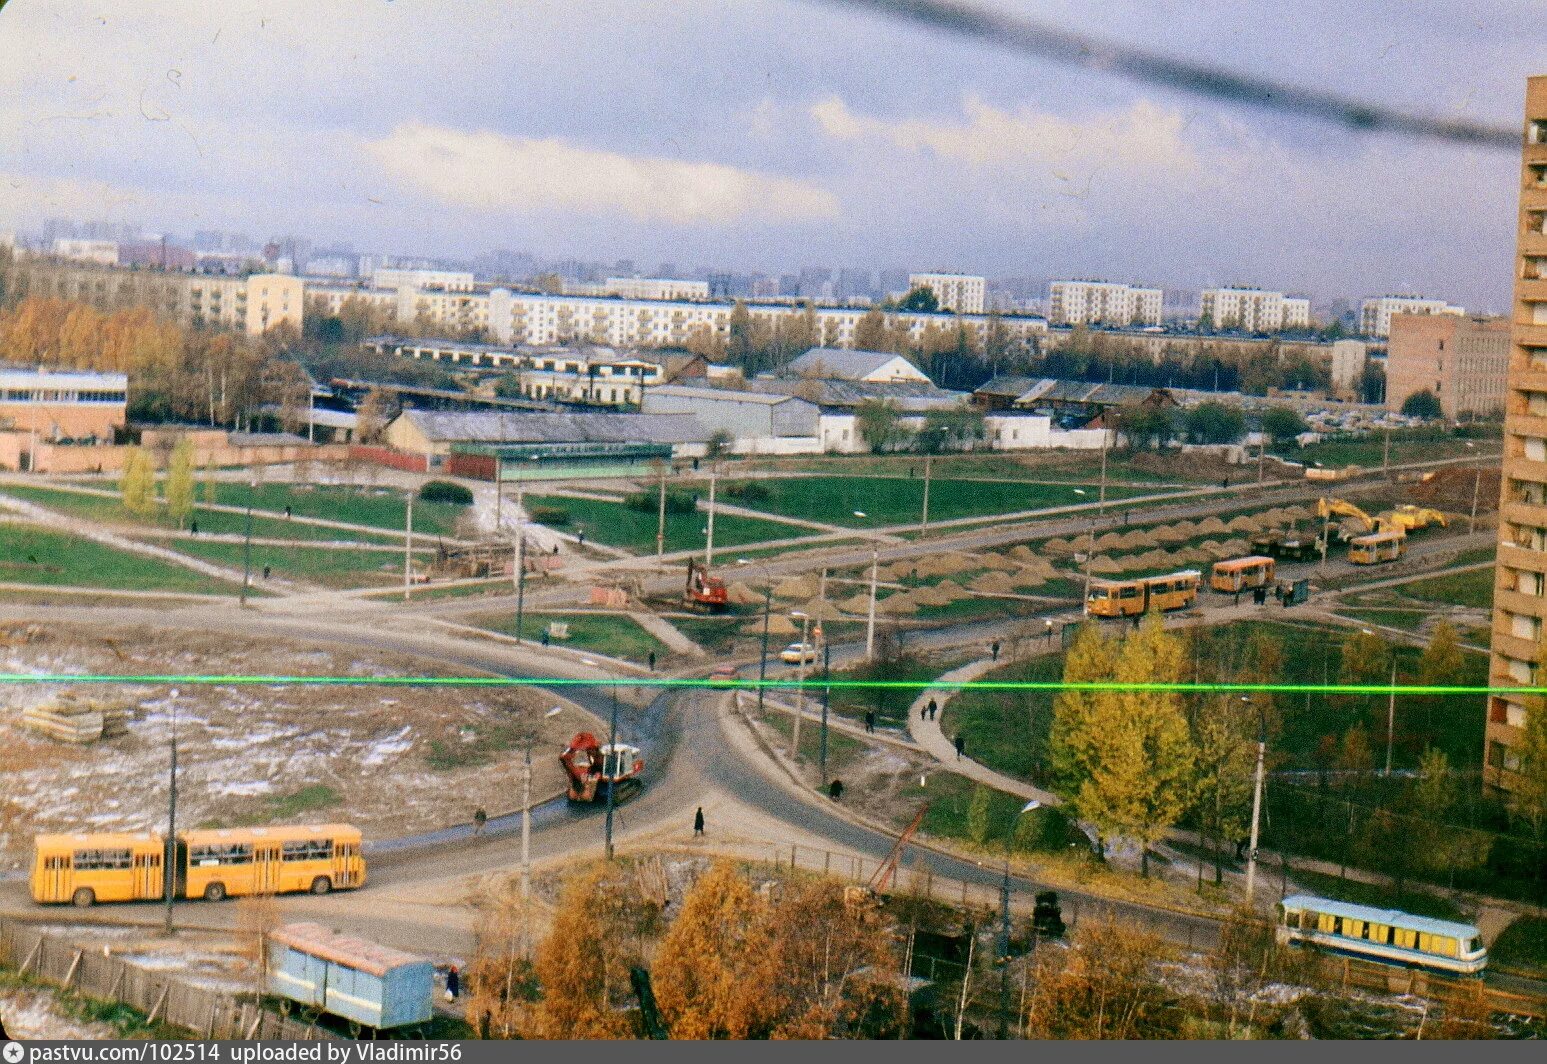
(749, 491)
(550, 515)
(649, 502)
(447, 492)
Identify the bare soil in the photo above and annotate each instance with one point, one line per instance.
(391, 760)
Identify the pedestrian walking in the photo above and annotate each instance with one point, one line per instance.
(453, 983)
(651, 660)
(580, 536)
(545, 637)
(287, 513)
(698, 822)
(835, 789)
(994, 650)
(193, 526)
(266, 571)
(480, 818)
(961, 745)
(923, 713)
(870, 720)
(933, 706)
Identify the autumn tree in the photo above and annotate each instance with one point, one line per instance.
(879, 423)
(1105, 986)
(710, 972)
(583, 963)
(1366, 660)
(1441, 664)
(137, 485)
(180, 485)
(1158, 722)
(372, 416)
(257, 918)
(1440, 847)
(979, 822)
(871, 332)
(1081, 738)
(1528, 781)
(1224, 730)
(501, 982)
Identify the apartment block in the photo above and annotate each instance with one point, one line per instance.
(1375, 314)
(956, 291)
(1253, 310)
(660, 288)
(1103, 303)
(252, 304)
(1461, 360)
(1520, 595)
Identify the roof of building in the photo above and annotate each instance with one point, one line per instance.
(458, 426)
(1370, 914)
(1045, 389)
(63, 377)
(907, 395)
(724, 395)
(358, 953)
(836, 363)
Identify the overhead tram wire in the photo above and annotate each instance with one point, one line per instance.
(1179, 687)
(1044, 41)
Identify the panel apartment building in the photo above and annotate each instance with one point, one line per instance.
(1461, 360)
(252, 304)
(1520, 595)
(1375, 314)
(1253, 310)
(957, 292)
(1103, 303)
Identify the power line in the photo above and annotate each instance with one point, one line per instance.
(1049, 42)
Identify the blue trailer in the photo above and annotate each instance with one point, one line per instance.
(361, 981)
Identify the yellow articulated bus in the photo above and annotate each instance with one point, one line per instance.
(211, 864)
(1128, 598)
(1377, 547)
(1242, 574)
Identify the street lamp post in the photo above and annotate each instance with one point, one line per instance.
(408, 547)
(762, 661)
(709, 531)
(827, 691)
(1262, 747)
(252, 488)
(169, 872)
(870, 615)
(800, 684)
(1004, 925)
(612, 742)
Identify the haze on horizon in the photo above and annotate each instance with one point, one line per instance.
(772, 134)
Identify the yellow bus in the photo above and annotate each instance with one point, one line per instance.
(1377, 547)
(211, 864)
(1242, 574)
(1128, 598)
(83, 869)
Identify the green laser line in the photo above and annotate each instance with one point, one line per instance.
(1108, 686)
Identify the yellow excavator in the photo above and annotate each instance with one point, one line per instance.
(1404, 518)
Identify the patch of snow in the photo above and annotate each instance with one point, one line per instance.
(390, 746)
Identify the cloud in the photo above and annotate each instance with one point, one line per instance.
(988, 137)
(493, 172)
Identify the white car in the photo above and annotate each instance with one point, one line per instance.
(795, 653)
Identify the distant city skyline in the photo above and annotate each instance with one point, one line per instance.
(771, 136)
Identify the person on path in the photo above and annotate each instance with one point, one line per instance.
(698, 822)
(581, 537)
(480, 818)
(932, 707)
(870, 720)
(193, 526)
(652, 661)
(287, 517)
(453, 983)
(835, 789)
(961, 745)
(994, 650)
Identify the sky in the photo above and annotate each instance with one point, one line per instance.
(776, 134)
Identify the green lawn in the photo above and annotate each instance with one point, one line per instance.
(601, 633)
(106, 510)
(891, 705)
(616, 525)
(1409, 620)
(1008, 730)
(1050, 467)
(1462, 589)
(1423, 445)
(373, 507)
(899, 500)
(341, 568)
(30, 555)
(1382, 895)
(1523, 944)
(1045, 830)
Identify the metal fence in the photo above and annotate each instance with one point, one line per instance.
(94, 973)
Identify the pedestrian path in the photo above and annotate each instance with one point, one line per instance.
(667, 633)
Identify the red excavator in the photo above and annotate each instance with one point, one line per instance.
(704, 592)
(594, 768)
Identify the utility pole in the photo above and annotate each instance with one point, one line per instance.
(612, 744)
(520, 558)
(1477, 484)
(1385, 457)
(762, 661)
(408, 547)
(1101, 498)
(924, 516)
(660, 519)
(169, 876)
(1251, 854)
(870, 614)
(800, 688)
(526, 824)
(1262, 449)
(247, 547)
(1391, 711)
(827, 668)
(709, 533)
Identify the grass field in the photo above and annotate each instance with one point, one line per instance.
(1462, 589)
(372, 507)
(600, 633)
(1383, 895)
(340, 568)
(616, 525)
(1008, 730)
(1051, 467)
(106, 510)
(899, 500)
(1368, 451)
(1523, 944)
(30, 555)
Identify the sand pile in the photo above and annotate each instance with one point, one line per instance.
(1236, 548)
(1244, 523)
(778, 624)
(855, 604)
(1058, 545)
(993, 582)
(1029, 577)
(991, 561)
(1173, 533)
(1109, 541)
(1139, 539)
(1022, 552)
(1212, 548)
(1297, 513)
(1211, 526)
(798, 587)
(899, 605)
(1104, 566)
(741, 595)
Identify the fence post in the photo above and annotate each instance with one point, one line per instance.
(827, 862)
(151, 1019)
(75, 963)
(792, 857)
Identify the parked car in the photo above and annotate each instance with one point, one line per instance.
(796, 653)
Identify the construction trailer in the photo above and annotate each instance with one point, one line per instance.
(352, 978)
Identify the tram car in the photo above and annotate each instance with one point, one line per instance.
(364, 983)
(1382, 935)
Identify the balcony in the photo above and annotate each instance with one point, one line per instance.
(1525, 513)
(1519, 602)
(1515, 557)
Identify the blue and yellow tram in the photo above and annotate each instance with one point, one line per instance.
(1383, 935)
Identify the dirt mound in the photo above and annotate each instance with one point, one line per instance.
(1030, 577)
(1298, 513)
(1213, 548)
(1110, 541)
(1176, 533)
(1022, 552)
(1139, 539)
(993, 582)
(994, 562)
(1058, 545)
(1211, 526)
(1244, 523)
(1104, 566)
(742, 595)
(899, 605)
(855, 604)
(798, 587)
(1237, 548)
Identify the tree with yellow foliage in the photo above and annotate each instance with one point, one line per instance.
(706, 975)
(138, 483)
(180, 486)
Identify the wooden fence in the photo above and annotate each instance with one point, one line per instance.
(202, 1011)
